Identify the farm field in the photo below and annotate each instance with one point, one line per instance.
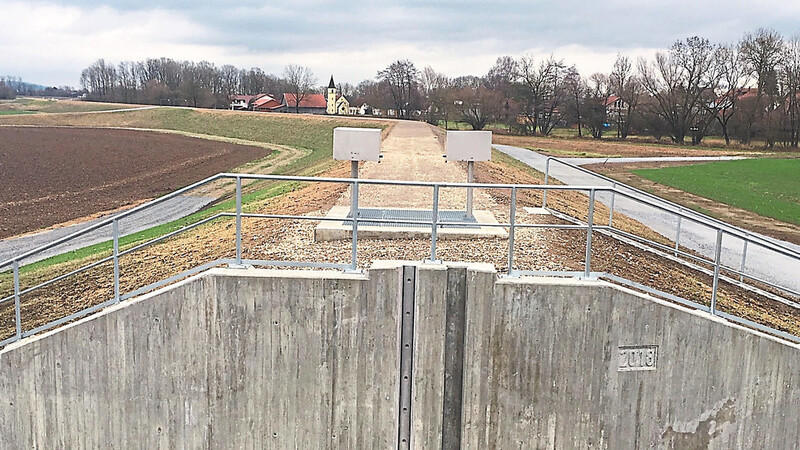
(54, 175)
(769, 187)
(314, 134)
(36, 106)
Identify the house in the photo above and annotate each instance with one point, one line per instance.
(241, 102)
(310, 104)
(615, 105)
(266, 103)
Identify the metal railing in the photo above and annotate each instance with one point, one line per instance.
(356, 221)
(674, 208)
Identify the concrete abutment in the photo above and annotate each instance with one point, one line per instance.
(311, 359)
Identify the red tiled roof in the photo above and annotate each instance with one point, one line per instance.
(309, 101)
(266, 103)
(611, 99)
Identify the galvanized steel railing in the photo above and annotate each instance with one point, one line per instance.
(238, 261)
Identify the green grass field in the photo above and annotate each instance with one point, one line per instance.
(768, 187)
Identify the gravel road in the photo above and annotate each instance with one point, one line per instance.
(159, 214)
(761, 262)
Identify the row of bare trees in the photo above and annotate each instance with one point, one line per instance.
(745, 91)
(170, 82)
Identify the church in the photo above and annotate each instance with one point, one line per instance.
(337, 103)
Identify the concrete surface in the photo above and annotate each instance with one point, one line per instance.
(230, 359)
(330, 230)
(760, 262)
(310, 359)
(162, 213)
(543, 370)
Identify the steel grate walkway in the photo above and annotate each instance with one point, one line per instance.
(420, 215)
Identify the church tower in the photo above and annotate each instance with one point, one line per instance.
(331, 97)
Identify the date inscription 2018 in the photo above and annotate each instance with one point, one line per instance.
(637, 357)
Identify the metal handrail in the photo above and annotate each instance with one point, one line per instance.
(695, 216)
(435, 223)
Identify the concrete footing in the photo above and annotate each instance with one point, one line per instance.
(330, 230)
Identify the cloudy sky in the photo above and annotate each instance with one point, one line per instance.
(51, 42)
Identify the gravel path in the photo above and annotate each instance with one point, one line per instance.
(412, 151)
(761, 262)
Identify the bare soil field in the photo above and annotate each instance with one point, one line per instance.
(54, 175)
(591, 147)
(730, 214)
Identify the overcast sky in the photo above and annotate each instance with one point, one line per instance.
(51, 42)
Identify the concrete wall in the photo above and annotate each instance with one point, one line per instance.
(542, 370)
(302, 359)
(231, 359)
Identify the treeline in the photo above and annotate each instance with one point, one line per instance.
(744, 91)
(11, 87)
(164, 81)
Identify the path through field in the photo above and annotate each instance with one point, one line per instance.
(412, 152)
(761, 262)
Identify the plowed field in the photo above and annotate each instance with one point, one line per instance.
(55, 175)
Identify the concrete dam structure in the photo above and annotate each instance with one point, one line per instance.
(407, 355)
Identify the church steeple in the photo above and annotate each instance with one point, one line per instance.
(332, 97)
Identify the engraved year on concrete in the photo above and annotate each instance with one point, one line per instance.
(637, 357)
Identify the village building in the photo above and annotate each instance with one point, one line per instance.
(337, 104)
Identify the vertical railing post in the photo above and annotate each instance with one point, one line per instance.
(17, 313)
(354, 215)
(678, 231)
(546, 178)
(238, 221)
(434, 221)
(744, 257)
(611, 209)
(115, 237)
(590, 220)
(512, 216)
(470, 179)
(717, 257)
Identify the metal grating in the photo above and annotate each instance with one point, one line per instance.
(419, 215)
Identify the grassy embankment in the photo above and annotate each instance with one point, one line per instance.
(768, 187)
(312, 135)
(24, 105)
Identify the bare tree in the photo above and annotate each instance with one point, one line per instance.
(541, 91)
(500, 79)
(597, 96)
(576, 89)
(402, 78)
(761, 52)
(789, 77)
(627, 86)
(682, 82)
(432, 85)
(734, 78)
(300, 81)
(478, 106)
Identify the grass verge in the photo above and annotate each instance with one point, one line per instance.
(768, 187)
